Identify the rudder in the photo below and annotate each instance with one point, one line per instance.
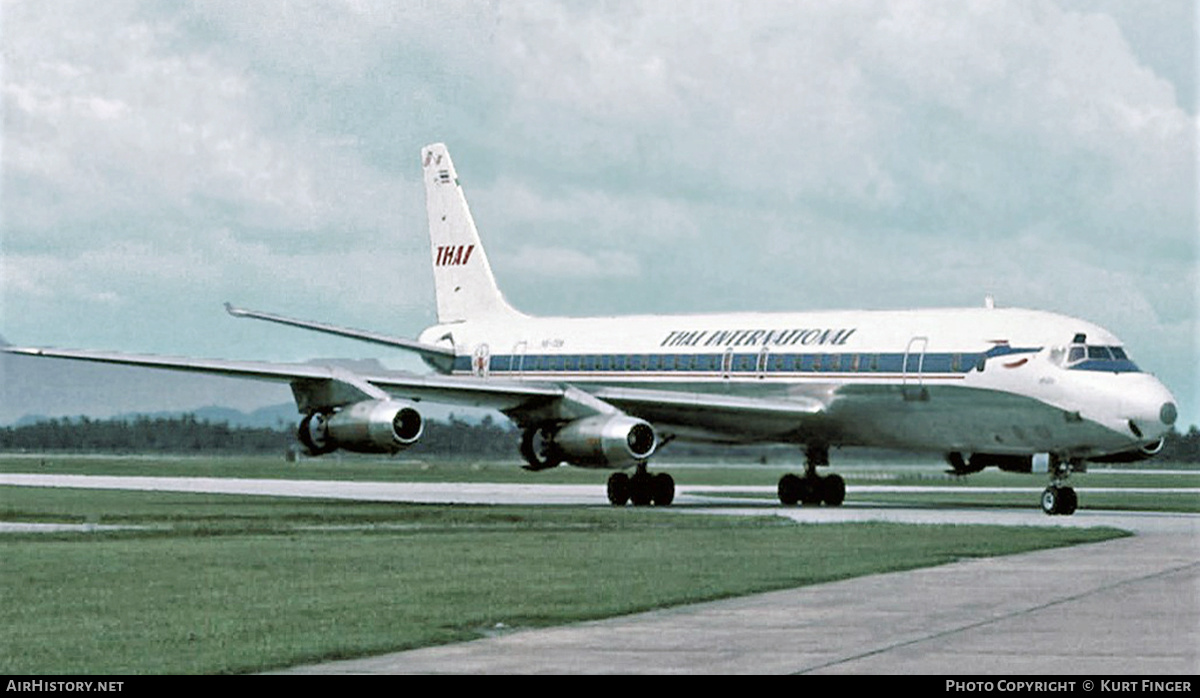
(462, 276)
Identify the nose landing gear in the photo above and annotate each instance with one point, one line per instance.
(1059, 499)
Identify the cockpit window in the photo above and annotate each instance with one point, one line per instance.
(1093, 357)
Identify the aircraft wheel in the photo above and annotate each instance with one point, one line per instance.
(662, 488)
(810, 490)
(1051, 500)
(538, 450)
(789, 489)
(833, 490)
(618, 489)
(1067, 501)
(641, 489)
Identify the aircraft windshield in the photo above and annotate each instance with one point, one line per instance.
(1093, 357)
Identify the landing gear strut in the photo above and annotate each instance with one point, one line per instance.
(643, 488)
(812, 488)
(1059, 499)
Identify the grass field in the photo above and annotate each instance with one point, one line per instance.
(211, 583)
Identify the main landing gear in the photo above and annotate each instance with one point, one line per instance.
(812, 488)
(643, 488)
(1059, 499)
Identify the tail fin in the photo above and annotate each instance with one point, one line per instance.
(462, 277)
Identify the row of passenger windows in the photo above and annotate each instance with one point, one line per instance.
(738, 363)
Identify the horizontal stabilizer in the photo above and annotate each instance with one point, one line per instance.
(440, 357)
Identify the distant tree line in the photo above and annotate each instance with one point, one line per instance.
(187, 434)
(184, 434)
(488, 438)
(1181, 448)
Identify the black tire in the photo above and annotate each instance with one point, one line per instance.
(663, 489)
(538, 450)
(1068, 501)
(641, 489)
(1051, 500)
(789, 489)
(833, 490)
(618, 489)
(810, 490)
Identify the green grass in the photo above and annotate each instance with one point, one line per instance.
(238, 583)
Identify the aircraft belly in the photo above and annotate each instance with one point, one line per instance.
(971, 420)
(940, 418)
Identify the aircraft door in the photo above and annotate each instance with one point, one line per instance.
(480, 360)
(912, 381)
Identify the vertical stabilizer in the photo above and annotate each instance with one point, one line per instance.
(462, 277)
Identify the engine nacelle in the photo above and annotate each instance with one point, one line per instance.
(605, 441)
(1012, 464)
(1142, 453)
(371, 426)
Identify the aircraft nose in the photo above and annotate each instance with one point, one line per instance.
(1151, 411)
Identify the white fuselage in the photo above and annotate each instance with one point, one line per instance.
(977, 380)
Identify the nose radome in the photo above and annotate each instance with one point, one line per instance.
(1150, 408)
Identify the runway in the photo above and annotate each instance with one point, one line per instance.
(1127, 606)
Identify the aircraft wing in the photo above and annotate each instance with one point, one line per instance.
(448, 389)
(320, 386)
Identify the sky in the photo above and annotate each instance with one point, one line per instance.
(160, 158)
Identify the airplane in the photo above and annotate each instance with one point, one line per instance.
(1022, 390)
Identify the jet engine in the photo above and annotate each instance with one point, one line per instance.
(602, 441)
(1142, 453)
(978, 461)
(371, 426)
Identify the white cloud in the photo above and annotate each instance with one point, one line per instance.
(715, 155)
(559, 263)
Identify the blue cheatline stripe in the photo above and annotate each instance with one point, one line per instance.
(1109, 365)
(813, 363)
(748, 363)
